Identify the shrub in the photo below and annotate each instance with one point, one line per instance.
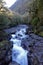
(15, 20)
(35, 21)
(4, 21)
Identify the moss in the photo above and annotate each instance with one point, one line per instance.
(4, 42)
(41, 33)
(4, 21)
(35, 21)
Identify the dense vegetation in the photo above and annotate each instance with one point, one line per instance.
(37, 16)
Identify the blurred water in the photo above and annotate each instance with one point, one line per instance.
(18, 53)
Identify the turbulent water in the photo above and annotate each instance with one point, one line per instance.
(19, 54)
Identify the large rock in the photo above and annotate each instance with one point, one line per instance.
(36, 51)
(5, 52)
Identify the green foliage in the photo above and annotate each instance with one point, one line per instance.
(41, 33)
(26, 20)
(37, 16)
(15, 19)
(40, 4)
(35, 21)
(3, 43)
(4, 21)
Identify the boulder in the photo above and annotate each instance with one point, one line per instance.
(5, 52)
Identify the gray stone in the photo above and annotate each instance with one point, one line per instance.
(13, 63)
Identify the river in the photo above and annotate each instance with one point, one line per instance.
(21, 40)
(19, 54)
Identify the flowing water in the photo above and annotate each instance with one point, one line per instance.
(23, 42)
(19, 54)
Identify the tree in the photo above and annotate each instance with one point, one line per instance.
(2, 3)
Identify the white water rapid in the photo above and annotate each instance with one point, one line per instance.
(19, 54)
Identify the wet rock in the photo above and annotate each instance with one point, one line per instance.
(14, 63)
(5, 51)
(34, 45)
(36, 37)
(37, 53)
